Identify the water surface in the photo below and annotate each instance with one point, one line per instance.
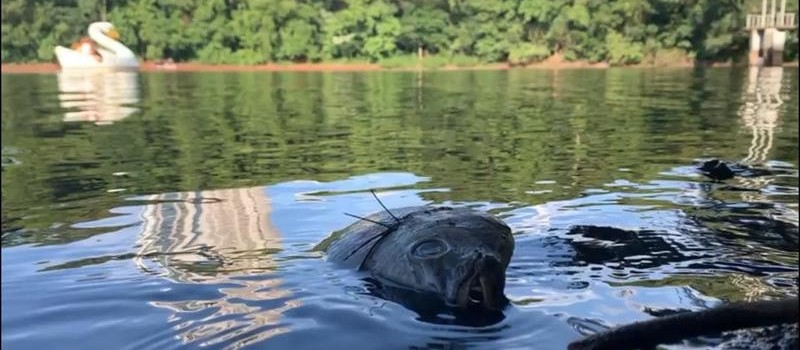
(178, 210)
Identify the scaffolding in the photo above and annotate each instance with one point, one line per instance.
(768, 33)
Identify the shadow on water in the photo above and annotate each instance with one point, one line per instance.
(192, 216)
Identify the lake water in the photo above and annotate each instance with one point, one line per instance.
(179, 210)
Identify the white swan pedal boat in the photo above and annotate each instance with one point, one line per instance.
(113, 54)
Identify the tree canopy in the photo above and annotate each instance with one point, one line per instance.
(518, 31)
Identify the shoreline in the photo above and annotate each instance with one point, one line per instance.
(351, 67)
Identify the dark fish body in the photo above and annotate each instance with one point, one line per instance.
(718, 170)
(458, 254)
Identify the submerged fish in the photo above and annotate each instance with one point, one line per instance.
(718, 170)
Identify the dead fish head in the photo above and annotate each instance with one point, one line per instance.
(458, 254)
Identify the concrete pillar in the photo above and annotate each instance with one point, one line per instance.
(778, 42)
(783, 9)
(772, 11)
(754, 56)
(773, 43)
(763, 13)
(773, 15)
(766, 45)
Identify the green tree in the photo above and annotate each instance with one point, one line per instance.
(255, 31)
(363, 28)
(424, 27)
(518, 31)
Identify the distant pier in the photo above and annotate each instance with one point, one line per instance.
(768, 34)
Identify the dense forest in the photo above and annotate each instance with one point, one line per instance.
(453, 31)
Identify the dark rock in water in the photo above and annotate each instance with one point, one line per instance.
(458, 255)
(716, 170)
(719, 170)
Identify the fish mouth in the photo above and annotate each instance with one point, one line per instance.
(484, 286)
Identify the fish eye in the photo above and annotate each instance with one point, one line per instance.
(430, 248)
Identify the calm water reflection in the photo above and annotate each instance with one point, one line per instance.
(97, 96)
(214, 237)
(178, 210)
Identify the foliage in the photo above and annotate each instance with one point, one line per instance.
(518, 31)
(464, 61)
(527, 53)
(405, 61)
(622, 51)
(433, 61)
